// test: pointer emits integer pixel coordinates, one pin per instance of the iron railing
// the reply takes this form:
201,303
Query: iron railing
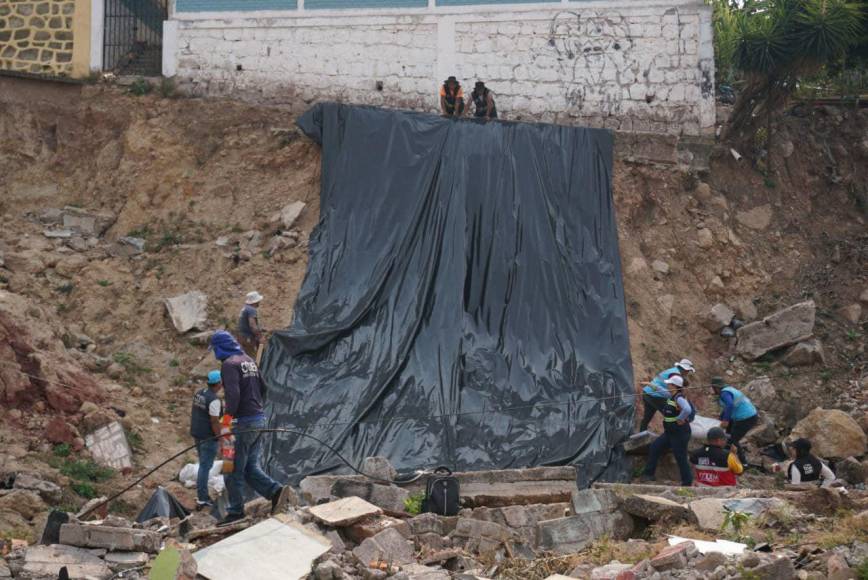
133,41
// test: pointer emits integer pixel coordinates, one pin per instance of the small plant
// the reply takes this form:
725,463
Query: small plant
104,283
143,232
85,470
62,307
413,503
66,288
853,335
862,570
168,239
93,77
62,450
85,490
174,363
135,440
132,367
140,87
167,88
236,229
825,375
685,492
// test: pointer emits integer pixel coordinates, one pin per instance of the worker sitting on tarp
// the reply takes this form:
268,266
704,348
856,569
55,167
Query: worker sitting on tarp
805,466
714,465
676,433
483,101
451,98
249,330
204,425
244,391
655,394
738,414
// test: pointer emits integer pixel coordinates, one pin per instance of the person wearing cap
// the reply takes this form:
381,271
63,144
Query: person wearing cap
738,414
676,433
483,101
204,425
244,390
249,330
655,393
451,98
713,464
807,467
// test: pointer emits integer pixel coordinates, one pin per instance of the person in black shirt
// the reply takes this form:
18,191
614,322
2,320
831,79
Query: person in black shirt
205,424
483,100
807,467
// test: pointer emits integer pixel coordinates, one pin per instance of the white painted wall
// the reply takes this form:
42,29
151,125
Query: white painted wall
619,64
97,26
170,48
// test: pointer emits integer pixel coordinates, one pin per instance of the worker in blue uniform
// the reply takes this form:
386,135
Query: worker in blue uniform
655,394
738,414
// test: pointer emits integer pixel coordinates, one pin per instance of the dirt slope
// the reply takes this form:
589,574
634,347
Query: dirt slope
187,173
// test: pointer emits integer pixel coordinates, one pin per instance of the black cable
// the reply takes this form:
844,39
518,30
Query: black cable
260,431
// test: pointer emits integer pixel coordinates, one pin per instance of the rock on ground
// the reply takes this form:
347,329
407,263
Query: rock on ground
807,353
783,328
762,392
833,434
654,508
718,316
387,546
188,311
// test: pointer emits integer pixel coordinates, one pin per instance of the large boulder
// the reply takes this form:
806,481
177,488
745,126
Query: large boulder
781,329
654,508
833,434
719,316
805,354
762,392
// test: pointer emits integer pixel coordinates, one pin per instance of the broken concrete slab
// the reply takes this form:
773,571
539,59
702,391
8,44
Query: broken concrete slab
87,222
639,443
709,512
672,557
288,214
783,328
575,533
370,527
344,512
57,234
119,561
387,546
594,500
388,497
518,493
276,548
471,528
109,446
127,247
46,562
654,508
50,492
110,538
188,311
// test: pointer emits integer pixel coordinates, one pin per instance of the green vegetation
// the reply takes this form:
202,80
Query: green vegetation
862,570
768,48
413,503
141,87
135,441
169,238
167,88
66,288
85,470
174,363
85,490
62,450
104,283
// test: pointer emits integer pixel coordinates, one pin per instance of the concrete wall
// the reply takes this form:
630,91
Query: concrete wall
626,65
45,36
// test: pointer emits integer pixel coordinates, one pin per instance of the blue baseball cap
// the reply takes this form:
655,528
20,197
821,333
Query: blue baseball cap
213,377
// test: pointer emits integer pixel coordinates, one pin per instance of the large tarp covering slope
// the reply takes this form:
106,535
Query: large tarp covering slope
463,304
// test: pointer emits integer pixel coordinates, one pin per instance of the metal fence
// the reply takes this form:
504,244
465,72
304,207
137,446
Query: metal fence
133,42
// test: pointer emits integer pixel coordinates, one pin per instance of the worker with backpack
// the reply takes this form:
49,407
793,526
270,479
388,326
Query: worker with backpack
677,415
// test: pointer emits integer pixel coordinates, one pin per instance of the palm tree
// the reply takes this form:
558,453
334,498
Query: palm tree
774,43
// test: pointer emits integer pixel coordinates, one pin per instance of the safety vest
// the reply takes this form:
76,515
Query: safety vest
200,420
742,408
711,464
809,467
670,414
657,388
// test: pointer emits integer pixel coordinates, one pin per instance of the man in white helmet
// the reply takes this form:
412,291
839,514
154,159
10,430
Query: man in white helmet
655,393
249,330
677,416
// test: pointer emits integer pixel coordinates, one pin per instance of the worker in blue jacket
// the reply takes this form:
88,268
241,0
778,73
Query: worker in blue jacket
738,414
655,394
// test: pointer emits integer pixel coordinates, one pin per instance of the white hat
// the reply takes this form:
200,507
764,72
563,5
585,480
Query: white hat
253,297
675,380
686,365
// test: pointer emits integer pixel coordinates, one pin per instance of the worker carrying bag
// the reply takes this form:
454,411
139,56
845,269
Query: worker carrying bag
442,493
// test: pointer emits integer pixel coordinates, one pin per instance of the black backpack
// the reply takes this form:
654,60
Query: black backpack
441,493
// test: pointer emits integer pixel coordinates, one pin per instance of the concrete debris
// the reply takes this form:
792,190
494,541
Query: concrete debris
57,234
705,547
344,512
86,222
188,311
120,561
110,538
276,548
653,508
639,443
387,546
804,354
388,497
660,267
109,446
783,328
833,433
709,512
127,247
673,558
379,468
47,561
575,533
50,492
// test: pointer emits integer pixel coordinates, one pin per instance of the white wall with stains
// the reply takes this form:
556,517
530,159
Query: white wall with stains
626,65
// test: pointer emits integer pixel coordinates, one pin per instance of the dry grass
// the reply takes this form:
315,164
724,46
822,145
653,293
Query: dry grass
538,569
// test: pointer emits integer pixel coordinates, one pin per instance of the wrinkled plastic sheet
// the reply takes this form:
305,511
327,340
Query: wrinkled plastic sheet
463,304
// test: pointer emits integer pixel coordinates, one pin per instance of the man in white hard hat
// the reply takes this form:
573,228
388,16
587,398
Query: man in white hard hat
249,330
655,393
677,416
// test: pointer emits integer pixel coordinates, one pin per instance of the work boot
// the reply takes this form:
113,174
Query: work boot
231,519
201,505
280,499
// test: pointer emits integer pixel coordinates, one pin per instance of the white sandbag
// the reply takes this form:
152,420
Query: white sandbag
190,472
700,426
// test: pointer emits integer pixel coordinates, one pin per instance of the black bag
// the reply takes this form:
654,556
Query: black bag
441,493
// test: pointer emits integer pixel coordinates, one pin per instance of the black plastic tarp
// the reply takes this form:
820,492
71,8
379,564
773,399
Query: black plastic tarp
463,305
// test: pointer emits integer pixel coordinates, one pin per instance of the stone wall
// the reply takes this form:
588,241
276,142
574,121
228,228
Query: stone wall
622,65
36,36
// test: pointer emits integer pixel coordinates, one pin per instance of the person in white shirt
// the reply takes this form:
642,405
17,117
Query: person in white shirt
807,467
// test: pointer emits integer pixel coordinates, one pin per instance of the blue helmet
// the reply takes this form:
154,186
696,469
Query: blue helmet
213,377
